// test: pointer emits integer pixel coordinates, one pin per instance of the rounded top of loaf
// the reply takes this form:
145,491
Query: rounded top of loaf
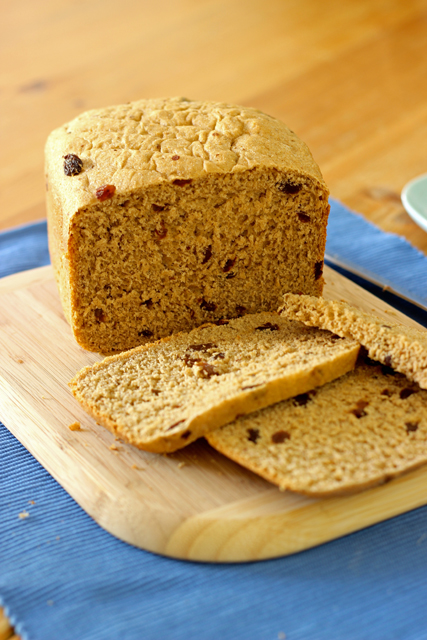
149,142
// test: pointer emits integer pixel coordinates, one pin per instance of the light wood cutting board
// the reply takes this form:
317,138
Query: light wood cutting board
193,504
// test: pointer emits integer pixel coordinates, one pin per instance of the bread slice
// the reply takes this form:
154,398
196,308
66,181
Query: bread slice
162,396
165,214
353,433
402,348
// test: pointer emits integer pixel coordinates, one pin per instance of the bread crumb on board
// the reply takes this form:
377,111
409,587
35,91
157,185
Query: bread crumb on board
114,447
75,426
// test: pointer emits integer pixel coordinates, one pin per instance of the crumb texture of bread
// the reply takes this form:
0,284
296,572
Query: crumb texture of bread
351,434
402,348
162,396
164,214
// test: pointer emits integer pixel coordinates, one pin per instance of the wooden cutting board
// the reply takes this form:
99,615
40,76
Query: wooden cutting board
193,504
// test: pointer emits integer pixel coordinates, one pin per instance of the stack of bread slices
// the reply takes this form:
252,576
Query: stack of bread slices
320,398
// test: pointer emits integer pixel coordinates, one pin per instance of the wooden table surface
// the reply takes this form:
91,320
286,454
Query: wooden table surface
350,77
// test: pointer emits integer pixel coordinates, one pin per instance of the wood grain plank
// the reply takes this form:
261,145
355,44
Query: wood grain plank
6,630
194,503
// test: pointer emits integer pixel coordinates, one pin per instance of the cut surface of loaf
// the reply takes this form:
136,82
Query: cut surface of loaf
402,348
353,433
164,214
163,396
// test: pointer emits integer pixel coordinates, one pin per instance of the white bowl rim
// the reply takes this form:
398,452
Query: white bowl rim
419,218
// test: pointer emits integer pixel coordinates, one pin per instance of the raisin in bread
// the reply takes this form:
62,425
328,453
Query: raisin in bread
165,214
164,395
402,348
353,433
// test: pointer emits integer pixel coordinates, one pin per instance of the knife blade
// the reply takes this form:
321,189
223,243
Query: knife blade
374,278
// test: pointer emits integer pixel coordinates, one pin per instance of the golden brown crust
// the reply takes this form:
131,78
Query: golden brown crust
123,145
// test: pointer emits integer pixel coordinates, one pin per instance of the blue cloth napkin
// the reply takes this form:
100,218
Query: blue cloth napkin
62,577
23,248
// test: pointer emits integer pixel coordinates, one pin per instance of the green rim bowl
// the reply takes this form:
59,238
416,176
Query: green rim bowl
414,199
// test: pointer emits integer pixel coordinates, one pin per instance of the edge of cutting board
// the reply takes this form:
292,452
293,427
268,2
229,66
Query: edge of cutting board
193,504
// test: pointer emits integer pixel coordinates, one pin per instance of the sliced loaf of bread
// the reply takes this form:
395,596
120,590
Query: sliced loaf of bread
162,396
353,433
167,213
402,348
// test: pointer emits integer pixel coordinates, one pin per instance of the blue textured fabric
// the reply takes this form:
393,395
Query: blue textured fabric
352,237
23,248
62,577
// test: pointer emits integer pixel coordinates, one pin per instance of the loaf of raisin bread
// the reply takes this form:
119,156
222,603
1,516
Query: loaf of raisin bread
402,348
353,433
164,395
165,214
